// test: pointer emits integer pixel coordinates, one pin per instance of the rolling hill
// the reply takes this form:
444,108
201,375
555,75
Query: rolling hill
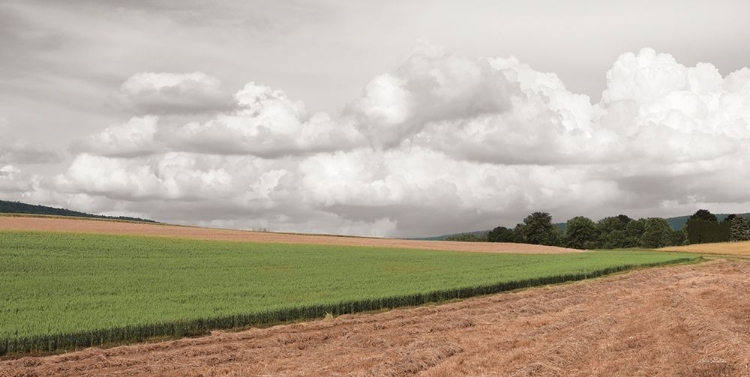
31,209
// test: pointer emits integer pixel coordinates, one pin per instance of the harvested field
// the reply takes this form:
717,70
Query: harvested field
688,320
726,248
126,228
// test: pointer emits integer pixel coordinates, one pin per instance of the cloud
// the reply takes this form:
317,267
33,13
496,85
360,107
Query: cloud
476,109
131,139
438,144
16,149
210,190
170,176
14,181
264,122
168,93
365,185
22,151
428,86
668,112
268,124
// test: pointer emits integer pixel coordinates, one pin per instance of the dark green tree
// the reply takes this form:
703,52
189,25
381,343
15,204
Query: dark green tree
657,233
556,237
612,232
677,238
501,234
624,219
705,215
580,232
739,231
703,231
617,239
612,223
518,234
538,229
467,237
633,233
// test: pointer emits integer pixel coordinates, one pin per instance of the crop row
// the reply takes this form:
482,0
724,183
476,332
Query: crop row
136,333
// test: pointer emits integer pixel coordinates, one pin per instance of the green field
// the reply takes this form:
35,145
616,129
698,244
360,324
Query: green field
69,290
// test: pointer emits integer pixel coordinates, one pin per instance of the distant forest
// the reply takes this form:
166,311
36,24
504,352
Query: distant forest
31,209
618,232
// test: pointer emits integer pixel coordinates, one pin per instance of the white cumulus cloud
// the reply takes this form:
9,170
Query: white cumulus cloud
266,123
437,144
133,138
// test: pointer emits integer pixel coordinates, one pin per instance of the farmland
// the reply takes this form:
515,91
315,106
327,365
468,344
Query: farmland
686,320
73,225
69,289
723,248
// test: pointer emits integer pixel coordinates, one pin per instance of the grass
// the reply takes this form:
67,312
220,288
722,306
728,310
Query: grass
63,286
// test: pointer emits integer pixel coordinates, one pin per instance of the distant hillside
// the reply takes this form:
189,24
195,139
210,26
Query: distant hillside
677,223
31,209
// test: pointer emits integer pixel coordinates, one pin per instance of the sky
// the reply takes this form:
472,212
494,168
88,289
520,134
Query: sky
390,118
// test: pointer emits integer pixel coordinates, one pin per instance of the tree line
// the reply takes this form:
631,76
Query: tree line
617,232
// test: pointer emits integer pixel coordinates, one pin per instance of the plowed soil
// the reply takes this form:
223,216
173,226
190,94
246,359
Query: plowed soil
689,320
117,227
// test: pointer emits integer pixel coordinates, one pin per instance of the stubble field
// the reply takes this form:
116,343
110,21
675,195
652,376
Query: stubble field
741,249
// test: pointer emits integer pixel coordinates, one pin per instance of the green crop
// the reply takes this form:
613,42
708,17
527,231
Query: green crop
61,290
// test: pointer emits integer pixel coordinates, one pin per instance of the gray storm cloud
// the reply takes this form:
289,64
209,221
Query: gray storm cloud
463,143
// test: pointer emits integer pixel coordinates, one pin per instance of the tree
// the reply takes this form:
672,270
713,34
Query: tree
703,231
614,240
633,233
677,238
739,231
538,229
705,215
518,234
624,219
657,233
580,232
501,234
612,233
612,223
703,227
467,237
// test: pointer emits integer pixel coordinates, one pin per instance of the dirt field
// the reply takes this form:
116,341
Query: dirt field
114,227
729,248
689,320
